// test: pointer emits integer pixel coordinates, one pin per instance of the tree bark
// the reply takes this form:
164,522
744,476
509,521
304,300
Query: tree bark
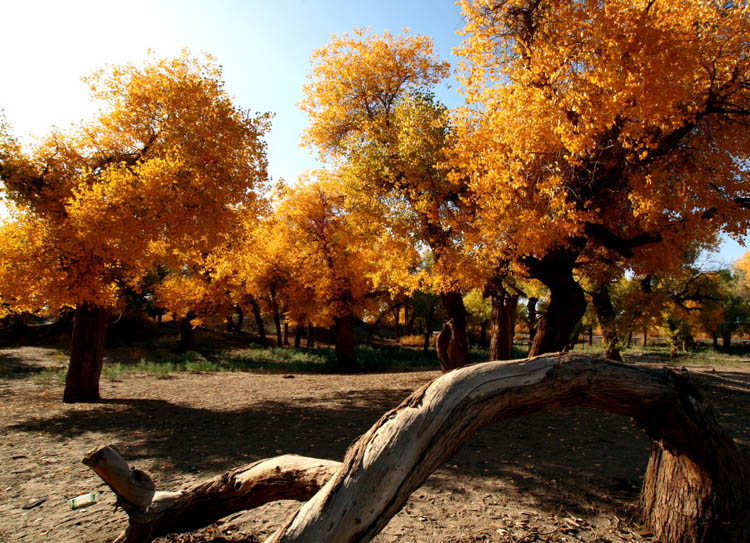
345,343
645,337
86,354
298,336
428,328
605,314
286,333
726,339
453,343
310,336
533,319
404,447
276,318
155,513
502,322
397,322
240,319
258,320
187,333
409,318
567,303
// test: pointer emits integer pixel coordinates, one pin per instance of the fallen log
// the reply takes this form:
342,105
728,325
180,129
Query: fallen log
702,495
696,490
155,513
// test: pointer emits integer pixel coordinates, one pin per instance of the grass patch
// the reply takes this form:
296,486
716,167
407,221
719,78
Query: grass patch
49,376
162,364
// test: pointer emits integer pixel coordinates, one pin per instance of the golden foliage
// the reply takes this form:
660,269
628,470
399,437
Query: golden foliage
628,115
156,178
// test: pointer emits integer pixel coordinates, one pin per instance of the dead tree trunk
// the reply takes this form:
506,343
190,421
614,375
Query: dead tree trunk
696,490
703,499
86,354
153,513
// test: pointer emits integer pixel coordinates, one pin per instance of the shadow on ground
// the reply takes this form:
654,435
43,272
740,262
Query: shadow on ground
565,459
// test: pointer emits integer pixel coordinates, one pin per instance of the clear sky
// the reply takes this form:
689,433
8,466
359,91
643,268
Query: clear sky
264,47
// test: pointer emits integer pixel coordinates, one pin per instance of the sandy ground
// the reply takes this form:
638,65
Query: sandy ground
564,476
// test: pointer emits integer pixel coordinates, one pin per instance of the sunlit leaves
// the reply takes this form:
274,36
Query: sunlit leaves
156,178
628,115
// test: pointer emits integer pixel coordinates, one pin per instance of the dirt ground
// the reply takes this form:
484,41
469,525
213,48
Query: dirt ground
564,476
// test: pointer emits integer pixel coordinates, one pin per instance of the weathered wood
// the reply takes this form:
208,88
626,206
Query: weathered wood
697,487
154,513
134,487
401,450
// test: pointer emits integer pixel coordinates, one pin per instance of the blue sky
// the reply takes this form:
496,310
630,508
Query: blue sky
263,46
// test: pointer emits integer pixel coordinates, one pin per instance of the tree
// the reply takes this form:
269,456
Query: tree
374,119
154,179
600,130
337,262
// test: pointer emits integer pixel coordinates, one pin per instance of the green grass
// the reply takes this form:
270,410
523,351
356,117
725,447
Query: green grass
162,363
49,376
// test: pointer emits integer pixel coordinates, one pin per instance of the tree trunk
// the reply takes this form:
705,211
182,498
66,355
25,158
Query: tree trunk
715,339
452,343
286,333
187,333
567,303
726,339
397,320
645,337
86,354
605,314
696,489
276,318
240,319
155,513
533,319
345,343
704,500
503,321
258,320
630,339
591,334
428,328
374,326
409,318
298,336
310,336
